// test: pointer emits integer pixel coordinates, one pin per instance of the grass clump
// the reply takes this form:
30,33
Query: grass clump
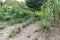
45,26
3,24
41,15
29,21
14,32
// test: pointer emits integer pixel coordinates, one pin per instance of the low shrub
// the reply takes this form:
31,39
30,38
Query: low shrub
3,24
45,25
41,15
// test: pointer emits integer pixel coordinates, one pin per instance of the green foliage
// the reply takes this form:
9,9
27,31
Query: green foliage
17,30
14,32
41,15
45,25
14,12
2,25
1,16
34,4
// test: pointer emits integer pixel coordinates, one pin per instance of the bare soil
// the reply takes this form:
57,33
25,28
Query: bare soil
29,33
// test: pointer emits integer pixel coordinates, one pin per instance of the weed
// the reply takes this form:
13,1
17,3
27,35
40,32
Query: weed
14,32
45,25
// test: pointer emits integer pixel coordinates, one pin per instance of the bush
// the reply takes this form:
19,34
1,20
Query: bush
45,25
1,16
3,24
41,15
13,15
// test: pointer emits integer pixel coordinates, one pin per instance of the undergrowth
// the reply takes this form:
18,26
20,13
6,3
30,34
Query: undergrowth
17,30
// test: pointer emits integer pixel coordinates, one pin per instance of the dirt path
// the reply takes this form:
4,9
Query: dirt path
30,30
4,32
54,34
29,33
